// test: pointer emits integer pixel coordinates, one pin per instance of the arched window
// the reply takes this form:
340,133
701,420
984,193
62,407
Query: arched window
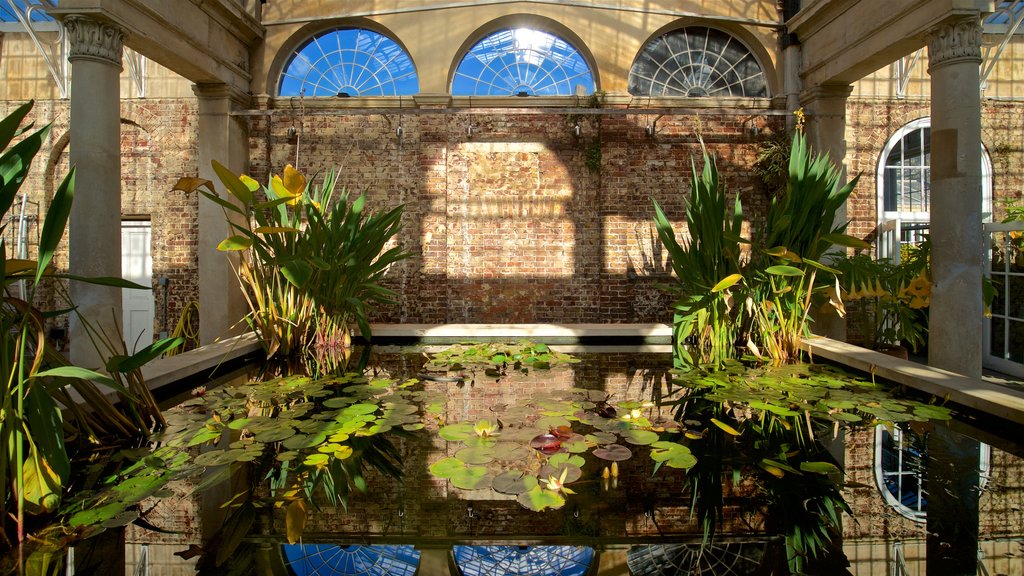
901,473
349,62
904,181
696,61
354,560
522,62
523,560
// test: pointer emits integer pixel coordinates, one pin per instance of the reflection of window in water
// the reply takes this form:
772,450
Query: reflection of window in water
523,560
901,460
713,558
354,560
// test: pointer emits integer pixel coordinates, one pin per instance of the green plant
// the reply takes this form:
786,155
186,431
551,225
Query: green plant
48,407
707,266
309,264
763,301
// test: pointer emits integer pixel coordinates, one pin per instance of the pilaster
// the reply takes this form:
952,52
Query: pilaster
224,138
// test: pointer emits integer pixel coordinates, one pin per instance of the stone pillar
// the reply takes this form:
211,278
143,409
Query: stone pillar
95,224
956,316
825,108
223,138
435,560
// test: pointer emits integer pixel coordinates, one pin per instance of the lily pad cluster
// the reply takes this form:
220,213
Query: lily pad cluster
798,394
494,359
534,452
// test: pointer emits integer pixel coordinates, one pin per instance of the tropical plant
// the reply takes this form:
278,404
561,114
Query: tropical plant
764,300
893,297
309,264
706,323
48,406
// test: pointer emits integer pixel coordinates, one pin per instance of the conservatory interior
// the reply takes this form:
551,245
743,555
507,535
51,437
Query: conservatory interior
512,287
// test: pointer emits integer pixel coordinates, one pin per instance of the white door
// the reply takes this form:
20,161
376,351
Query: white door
137,266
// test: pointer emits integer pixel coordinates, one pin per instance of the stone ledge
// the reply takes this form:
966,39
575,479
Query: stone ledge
652,333
987,397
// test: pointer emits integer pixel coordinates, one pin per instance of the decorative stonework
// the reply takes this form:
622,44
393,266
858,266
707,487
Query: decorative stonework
954,41
90,38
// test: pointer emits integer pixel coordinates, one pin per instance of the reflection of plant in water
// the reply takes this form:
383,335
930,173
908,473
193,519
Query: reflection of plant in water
767,423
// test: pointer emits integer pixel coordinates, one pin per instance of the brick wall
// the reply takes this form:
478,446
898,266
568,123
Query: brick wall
522,221
158,142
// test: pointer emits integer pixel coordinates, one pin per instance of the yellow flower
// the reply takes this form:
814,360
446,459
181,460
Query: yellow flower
920,286
557,484
291,186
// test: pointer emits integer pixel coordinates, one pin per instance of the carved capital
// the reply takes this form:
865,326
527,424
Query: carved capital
93,39
955,41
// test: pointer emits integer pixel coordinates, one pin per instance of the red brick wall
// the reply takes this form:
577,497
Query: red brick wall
522,221
158,141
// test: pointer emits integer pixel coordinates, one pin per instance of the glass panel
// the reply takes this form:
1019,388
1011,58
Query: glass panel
712,558
998,337
998,245
522,61
696,62
1015,296
349,62
912,148
1015,350
354,560
999,301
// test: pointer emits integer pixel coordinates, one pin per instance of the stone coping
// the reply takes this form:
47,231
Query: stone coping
163,372
649,333
988,397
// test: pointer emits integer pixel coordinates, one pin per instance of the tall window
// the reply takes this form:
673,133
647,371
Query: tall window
904,181
522,62
696,61
349,62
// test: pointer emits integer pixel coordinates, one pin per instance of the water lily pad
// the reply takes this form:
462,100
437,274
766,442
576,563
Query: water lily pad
287,456
546,443
275,434
559,459
413,427
613,452
602,438
305,441
471,478
475,455
673,455
513,483
445,467
640,437
538,499
457,432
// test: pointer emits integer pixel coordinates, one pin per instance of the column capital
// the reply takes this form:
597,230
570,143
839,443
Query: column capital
955,41
825,92
94,39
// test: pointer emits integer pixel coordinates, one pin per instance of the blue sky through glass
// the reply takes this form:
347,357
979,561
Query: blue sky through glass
522,61
335,560
349,62
7,15
523,560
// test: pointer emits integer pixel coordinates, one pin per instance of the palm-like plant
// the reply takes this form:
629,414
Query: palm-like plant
310,264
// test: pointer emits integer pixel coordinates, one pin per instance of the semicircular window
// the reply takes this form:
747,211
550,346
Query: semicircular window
683,559
354,560
696,61
349,62
523,560
522,62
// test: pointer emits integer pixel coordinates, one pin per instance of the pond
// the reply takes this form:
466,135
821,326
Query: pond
516,459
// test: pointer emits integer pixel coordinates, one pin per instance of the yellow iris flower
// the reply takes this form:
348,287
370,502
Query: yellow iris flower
291,186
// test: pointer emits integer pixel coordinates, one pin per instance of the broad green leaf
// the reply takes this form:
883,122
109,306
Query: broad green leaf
846,240
820,467
147,354
728,429
538,499
83,374
55,222
234,243
783,270
46,428
297,272
727,282
233,183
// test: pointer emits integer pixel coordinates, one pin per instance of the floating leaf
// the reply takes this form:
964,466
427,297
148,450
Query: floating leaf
640,437
457,432
445,467
475,455
538,499
613,452
728,429
471,478
673,455
513,483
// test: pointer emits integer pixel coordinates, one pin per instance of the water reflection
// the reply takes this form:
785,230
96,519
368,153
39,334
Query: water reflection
756,486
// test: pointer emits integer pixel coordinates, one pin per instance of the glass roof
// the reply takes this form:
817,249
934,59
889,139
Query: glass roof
523,560
7,13
1004,12
354,560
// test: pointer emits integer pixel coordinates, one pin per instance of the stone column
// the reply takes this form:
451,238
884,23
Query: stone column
825,108
956,321
223,138
95,224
